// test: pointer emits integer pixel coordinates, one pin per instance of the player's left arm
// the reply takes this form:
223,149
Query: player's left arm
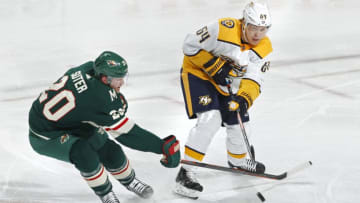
253,79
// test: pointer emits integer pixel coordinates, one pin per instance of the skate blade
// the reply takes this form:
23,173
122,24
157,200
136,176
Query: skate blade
186,192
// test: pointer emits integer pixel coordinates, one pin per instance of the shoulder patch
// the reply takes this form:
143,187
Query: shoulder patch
228,23
229,31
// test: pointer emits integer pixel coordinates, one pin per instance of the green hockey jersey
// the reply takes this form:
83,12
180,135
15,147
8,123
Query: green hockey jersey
77,104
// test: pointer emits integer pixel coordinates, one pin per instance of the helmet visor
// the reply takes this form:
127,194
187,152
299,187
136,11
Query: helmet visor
258,29
117,82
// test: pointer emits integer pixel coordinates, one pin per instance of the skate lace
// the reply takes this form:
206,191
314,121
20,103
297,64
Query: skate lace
250,165
137,186
192,176
110,198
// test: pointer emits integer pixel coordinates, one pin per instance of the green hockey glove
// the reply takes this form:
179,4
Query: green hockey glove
171,152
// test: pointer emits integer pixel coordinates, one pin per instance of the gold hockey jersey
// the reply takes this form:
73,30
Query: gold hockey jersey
223,38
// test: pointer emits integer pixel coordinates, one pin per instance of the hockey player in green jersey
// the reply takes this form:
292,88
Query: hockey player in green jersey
71,120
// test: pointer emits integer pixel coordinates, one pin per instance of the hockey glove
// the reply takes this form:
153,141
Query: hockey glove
218,69
238,103
171,152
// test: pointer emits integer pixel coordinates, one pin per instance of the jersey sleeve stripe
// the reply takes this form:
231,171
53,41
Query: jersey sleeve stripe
123,126
118,124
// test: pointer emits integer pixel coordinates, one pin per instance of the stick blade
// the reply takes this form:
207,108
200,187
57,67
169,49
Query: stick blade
260,196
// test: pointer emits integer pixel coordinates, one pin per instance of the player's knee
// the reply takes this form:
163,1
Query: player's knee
233,131
83,156
209,121
111,155
234,135
206,127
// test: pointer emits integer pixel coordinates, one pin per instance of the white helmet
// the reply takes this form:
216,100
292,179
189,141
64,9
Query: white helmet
257,14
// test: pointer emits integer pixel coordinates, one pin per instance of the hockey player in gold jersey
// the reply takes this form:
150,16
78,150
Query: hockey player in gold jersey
227,52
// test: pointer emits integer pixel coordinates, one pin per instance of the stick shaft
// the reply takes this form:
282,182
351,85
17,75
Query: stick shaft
243,131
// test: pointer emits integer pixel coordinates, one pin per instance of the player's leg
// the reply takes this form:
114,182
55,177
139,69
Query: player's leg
57,148
235,143
201,100
78,152
86,160
116,162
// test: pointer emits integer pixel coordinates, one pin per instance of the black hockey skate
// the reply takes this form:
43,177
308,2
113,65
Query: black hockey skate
109,198
187,185
250,165
140,188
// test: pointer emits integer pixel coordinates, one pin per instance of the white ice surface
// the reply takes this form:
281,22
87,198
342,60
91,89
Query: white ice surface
309,108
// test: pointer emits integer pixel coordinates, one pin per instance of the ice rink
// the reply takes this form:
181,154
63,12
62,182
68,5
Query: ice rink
309,108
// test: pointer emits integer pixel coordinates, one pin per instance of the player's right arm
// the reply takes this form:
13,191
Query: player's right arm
199,59
128,133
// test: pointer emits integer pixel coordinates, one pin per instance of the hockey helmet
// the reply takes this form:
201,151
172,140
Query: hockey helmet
257,14
110,64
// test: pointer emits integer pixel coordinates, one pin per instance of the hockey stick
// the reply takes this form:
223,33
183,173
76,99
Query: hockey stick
249,149
244,172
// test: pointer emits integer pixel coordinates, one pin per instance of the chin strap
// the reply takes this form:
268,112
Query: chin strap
108,80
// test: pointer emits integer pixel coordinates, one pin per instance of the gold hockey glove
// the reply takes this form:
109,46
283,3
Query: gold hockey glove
218,69
238,102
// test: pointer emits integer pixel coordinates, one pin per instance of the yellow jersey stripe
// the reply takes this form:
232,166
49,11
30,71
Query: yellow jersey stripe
237,156
194,154
185,80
